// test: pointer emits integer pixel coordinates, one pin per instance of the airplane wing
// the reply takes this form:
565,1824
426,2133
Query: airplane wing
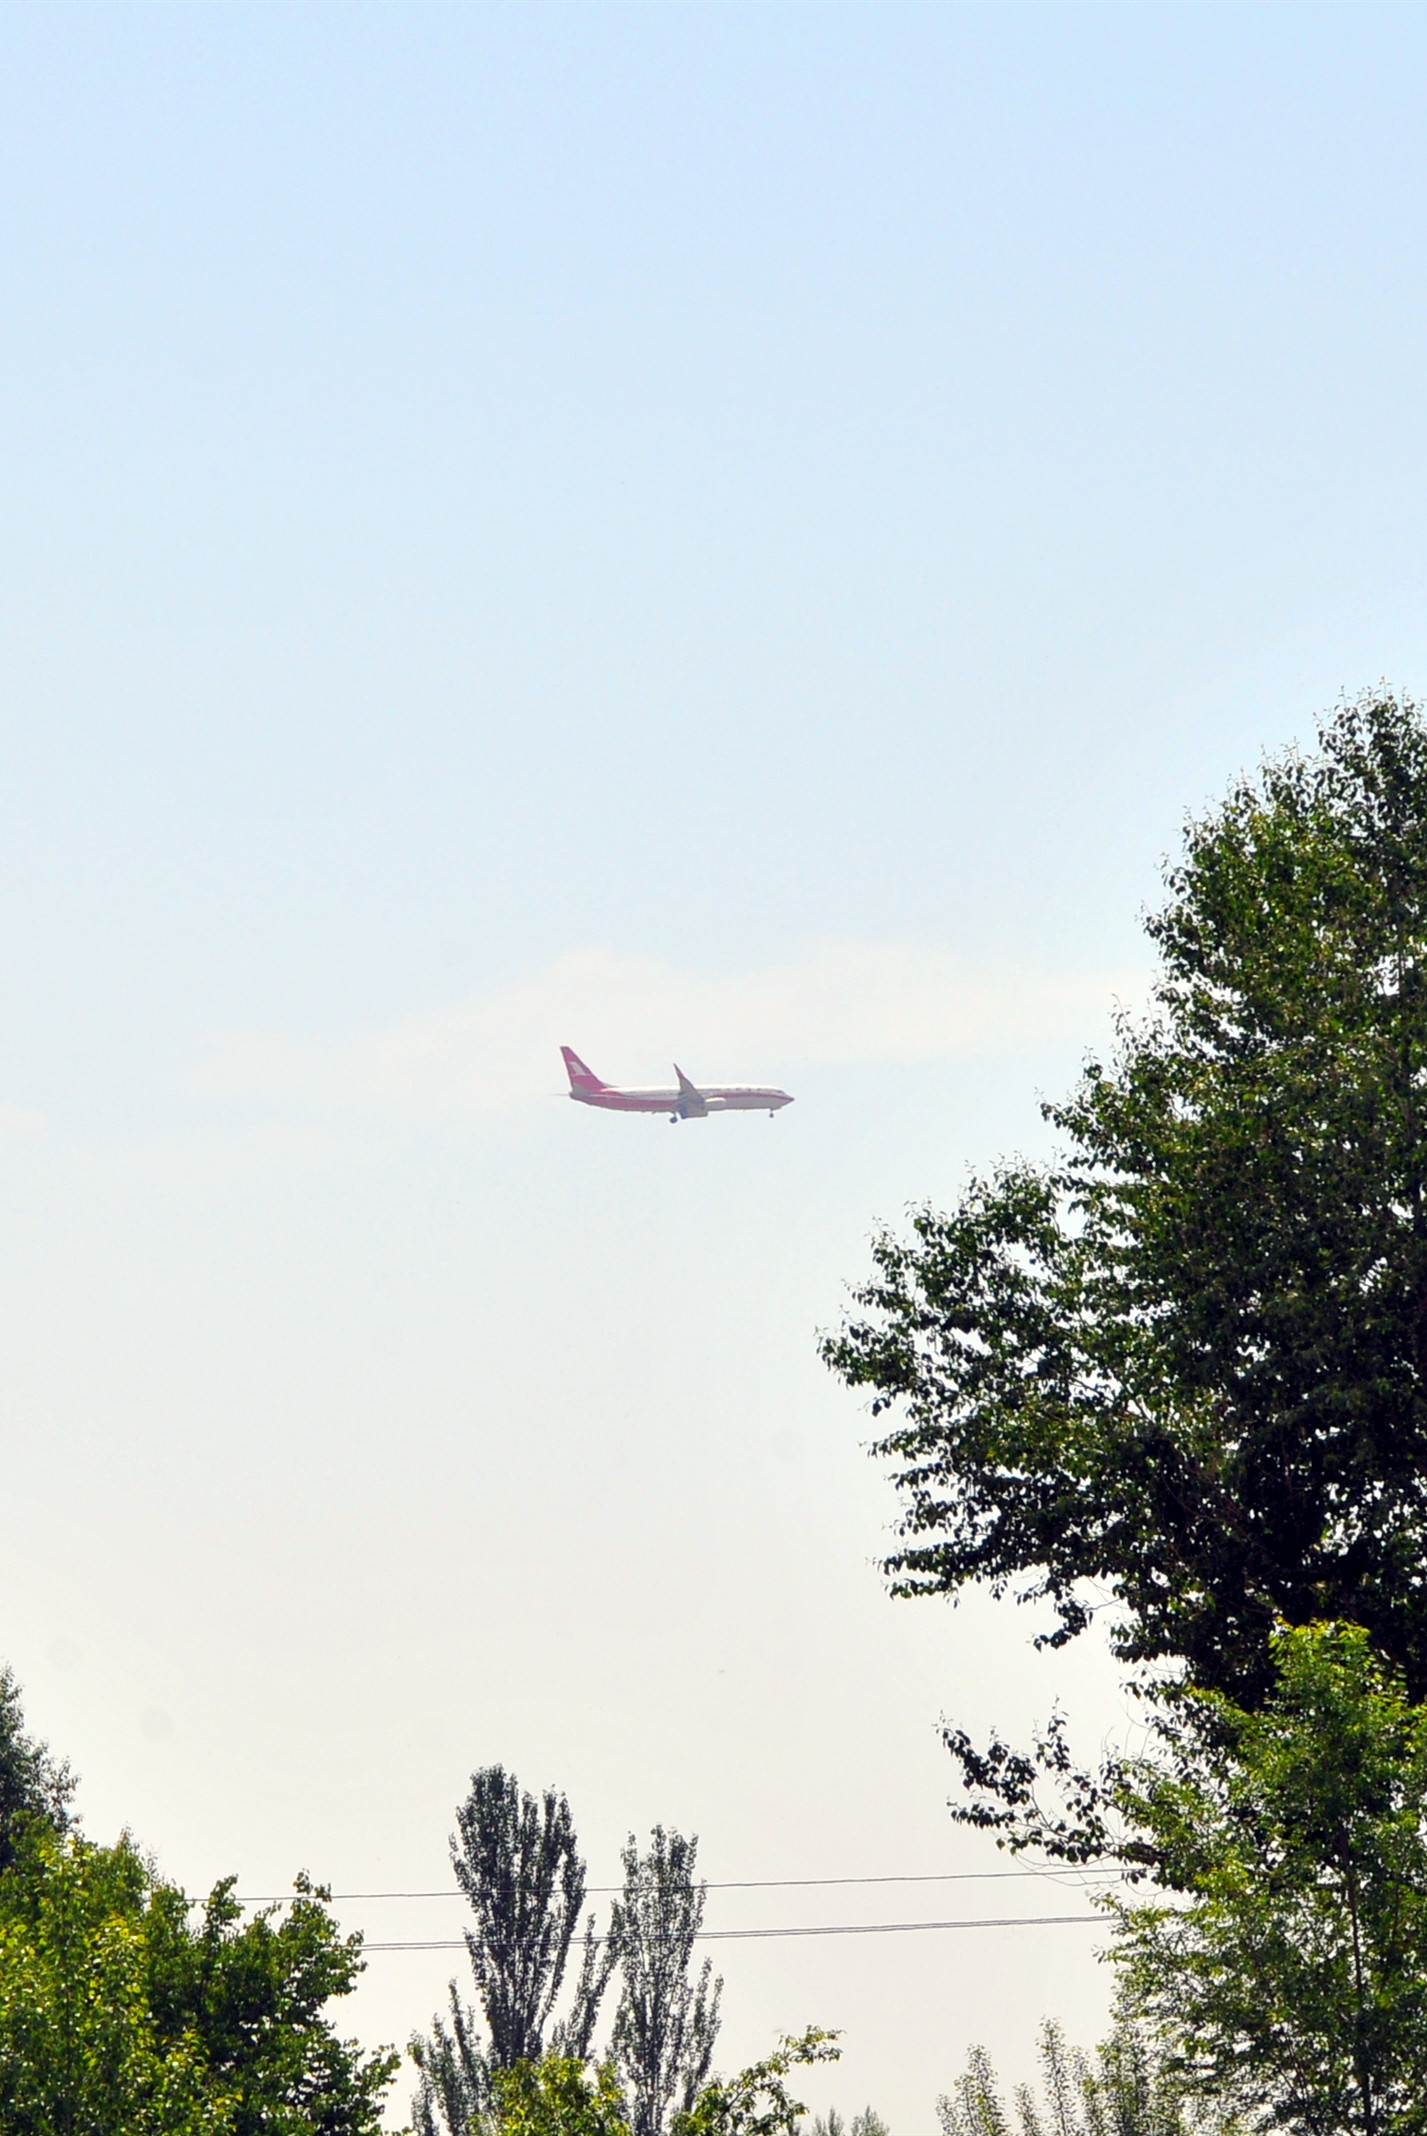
691,1099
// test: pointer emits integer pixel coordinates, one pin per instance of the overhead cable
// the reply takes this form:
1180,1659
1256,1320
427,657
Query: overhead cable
777,1883
845,1928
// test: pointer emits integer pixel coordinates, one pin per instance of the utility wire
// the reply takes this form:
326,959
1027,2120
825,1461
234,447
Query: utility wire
777,1883
847,1928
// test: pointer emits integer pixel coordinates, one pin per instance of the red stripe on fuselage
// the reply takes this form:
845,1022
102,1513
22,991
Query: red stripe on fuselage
739,1097
629,1100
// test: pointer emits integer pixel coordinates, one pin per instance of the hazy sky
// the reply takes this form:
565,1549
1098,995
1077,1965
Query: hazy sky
720,534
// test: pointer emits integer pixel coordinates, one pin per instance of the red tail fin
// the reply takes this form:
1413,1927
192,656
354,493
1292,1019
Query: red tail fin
581,1077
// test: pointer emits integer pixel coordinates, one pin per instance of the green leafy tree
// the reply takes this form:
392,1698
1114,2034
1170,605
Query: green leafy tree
1128,2089
79,2046
1288,1973
255,1993
975,2107
560,2095
32,1783
120,2017
757,2101
667,2020
1183,1368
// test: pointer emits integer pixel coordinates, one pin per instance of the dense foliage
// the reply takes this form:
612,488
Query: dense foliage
1180,1374
32,1783
560,2095
120,2016
1288,1972
565,2095
1185,1366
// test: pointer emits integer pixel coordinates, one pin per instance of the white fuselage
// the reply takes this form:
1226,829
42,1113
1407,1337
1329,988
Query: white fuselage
713,1097
683,1101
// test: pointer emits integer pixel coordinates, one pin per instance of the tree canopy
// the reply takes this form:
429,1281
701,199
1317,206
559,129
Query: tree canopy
558,2094
518,1864
33,1784
1183,1367
757,2101
120,2016
1289,1972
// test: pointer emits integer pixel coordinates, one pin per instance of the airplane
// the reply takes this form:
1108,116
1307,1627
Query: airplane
686,1102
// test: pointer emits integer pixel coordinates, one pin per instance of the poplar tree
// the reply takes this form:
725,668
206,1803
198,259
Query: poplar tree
1126,2089
518,1863
667,2020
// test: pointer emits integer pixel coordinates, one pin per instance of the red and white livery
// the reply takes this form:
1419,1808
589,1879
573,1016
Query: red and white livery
686,1101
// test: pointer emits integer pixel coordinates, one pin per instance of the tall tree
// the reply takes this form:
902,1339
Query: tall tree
1186,1363
518,1864
32,1783
667,2021
517,1861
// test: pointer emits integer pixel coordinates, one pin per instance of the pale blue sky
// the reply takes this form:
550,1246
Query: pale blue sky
729,534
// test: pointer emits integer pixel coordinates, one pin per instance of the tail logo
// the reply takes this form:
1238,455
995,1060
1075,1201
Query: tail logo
577,1071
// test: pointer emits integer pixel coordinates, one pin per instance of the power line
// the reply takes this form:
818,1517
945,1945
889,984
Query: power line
777,1883
846,1928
